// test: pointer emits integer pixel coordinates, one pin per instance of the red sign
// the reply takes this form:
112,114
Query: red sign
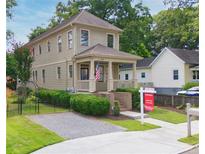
149,101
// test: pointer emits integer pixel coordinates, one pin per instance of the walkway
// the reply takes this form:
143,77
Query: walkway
70,125
156,141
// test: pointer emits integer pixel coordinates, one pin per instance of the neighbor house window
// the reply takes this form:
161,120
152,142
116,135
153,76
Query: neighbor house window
84,38
39,48
49,46
110,40
71,71
36,75
176,74
70,39
43,75
143,75
195,75
59,44
58,72
84,72
126,77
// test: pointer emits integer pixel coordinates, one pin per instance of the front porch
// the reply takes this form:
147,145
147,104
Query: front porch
109,75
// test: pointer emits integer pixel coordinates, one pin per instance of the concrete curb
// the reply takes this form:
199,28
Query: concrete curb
188,149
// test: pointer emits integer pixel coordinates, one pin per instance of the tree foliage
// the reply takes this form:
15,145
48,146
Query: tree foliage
177,28
11,65
9,5
180,3
36,32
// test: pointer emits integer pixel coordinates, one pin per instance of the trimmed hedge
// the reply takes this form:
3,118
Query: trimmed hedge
190,85
54,97
90,104
135,96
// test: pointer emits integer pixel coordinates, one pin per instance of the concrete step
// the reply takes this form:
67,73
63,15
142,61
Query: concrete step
133,115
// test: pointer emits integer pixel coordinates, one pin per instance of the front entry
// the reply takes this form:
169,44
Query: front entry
101,84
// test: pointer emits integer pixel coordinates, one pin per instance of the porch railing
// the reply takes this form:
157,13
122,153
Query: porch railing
83,85
122,83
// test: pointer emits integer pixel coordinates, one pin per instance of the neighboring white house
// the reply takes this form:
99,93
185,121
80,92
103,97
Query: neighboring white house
169,71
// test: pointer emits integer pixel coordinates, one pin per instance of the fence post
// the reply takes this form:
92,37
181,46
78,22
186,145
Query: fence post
173,101
188,120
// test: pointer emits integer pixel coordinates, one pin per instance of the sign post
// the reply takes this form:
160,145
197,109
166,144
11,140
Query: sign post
147,96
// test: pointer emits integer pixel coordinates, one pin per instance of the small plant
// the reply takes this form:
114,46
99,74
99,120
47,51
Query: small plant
31,99
190,85
116,109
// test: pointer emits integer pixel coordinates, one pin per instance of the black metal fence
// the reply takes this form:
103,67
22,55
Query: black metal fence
175,100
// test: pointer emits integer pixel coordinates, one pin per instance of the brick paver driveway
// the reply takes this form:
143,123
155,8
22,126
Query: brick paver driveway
71,125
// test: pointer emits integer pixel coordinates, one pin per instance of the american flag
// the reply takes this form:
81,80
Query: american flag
97,75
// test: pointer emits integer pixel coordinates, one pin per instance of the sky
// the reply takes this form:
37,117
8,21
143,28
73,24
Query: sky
29,14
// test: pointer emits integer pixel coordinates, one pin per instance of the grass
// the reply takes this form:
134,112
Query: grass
192,140
132,125
23,136
167,115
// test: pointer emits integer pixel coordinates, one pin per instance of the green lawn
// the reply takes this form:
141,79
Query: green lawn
167,115
132,125
24,136
192,140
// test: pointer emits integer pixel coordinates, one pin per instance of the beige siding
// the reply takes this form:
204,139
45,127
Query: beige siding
162,71
188,73
148,75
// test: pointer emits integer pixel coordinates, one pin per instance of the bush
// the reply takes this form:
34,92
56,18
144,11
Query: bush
90,104
21,90
116,109
55,97
135,96
190,85
31,99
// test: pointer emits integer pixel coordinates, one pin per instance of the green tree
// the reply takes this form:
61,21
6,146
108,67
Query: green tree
36,32
177,28
180,3
9,6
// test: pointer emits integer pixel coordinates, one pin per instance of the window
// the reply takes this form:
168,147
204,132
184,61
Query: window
36,75
84,38
33,75
143,75
110,40
70,39
84,72
175,74
71,71
39,48
59,44
195,75
49,46
43,75
33,51
126,77
58,72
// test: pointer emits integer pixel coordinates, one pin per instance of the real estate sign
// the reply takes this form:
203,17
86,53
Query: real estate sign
149,101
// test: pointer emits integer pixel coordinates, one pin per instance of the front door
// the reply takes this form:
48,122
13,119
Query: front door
101,83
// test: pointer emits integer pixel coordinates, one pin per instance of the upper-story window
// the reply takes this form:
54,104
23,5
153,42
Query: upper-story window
126,76
195,75
175,74
49,46
84,38
110,40
70,39
36,75
39,48
33,51
59,44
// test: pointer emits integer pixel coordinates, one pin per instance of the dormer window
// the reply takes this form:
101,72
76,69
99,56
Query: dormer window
110,40
84,38
59,44
70,39
39,48
49,46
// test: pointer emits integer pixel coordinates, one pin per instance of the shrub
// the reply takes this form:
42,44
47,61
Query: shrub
21,90
90,104
116,109
31,99
54,97
135,96
190,85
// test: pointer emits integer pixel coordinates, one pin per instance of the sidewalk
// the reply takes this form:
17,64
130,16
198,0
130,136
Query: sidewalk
157,141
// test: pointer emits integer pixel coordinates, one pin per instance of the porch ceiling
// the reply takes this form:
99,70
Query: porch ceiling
101,51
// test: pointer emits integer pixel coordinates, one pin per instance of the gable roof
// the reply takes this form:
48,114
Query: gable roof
188,56
83,18
104,51
145,62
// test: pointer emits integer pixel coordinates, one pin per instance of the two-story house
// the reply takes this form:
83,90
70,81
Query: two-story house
69,54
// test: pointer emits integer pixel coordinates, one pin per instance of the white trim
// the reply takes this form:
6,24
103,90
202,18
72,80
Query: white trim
113,39
88,37
71,30
53,63
61,43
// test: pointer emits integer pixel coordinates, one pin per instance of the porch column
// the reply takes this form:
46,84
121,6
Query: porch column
75,73
92,83
134,75
110,76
